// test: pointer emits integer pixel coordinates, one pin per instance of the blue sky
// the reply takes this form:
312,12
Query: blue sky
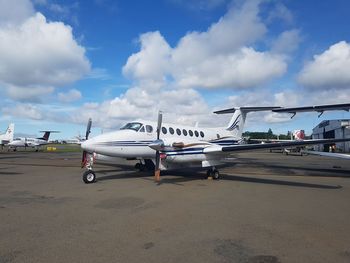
62,62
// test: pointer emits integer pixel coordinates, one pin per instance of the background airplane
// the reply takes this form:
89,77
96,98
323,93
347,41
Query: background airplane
31,142
7,137
164,146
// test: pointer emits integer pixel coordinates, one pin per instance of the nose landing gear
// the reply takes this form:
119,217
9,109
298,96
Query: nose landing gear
89,175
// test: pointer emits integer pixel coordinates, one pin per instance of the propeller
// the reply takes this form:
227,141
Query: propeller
88,130
158,141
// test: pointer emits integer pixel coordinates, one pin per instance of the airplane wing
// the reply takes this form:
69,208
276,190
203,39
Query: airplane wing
319,108
249,147
329,154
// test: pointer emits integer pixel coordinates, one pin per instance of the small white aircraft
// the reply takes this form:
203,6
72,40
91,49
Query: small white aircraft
31,142
7,137
164,146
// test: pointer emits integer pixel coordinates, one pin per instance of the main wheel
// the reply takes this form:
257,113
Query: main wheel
215,174
139,166
89,177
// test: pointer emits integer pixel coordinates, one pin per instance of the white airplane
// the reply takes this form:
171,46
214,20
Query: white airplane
167,146
7,137
30,142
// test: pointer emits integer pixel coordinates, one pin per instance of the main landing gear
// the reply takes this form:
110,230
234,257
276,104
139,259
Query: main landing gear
213,173
148,165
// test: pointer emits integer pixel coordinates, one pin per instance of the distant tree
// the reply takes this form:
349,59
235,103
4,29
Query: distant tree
269,134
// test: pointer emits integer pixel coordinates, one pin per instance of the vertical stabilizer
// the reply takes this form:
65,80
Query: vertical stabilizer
9,132
236,124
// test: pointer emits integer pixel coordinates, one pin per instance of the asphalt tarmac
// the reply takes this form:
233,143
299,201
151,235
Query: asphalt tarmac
267,207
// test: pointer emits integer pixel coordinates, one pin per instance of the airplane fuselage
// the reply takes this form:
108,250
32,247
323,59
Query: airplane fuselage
27,142
134,143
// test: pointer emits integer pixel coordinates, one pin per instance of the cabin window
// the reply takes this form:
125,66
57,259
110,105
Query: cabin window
184,132
178,131
164,130
149,128
171,130
142,129
202,134
196,133
190,132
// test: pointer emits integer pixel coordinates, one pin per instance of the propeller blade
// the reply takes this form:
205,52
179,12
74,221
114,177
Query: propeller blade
159,126
88,129
157,170
157,165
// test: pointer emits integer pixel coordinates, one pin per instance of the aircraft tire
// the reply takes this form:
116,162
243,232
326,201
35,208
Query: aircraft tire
89,177
215,174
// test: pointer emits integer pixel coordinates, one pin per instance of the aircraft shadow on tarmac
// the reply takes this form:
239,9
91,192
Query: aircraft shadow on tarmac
178,178
285,170
278,182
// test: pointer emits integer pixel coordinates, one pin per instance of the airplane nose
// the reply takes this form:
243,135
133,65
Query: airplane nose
88,146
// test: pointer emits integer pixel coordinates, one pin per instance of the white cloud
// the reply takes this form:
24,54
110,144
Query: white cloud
329,69
27,94
15,12
70,96
36,54
219,57
152,62
23,111
50,55
287,42
246,68
281,12
164,77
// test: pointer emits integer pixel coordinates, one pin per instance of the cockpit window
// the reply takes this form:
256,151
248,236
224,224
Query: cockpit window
132,126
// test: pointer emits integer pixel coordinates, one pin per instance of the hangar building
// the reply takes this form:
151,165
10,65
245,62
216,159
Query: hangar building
332,129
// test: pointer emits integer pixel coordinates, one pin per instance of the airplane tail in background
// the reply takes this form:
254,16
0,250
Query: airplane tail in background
7,137
46,135
238,119
299,135
9,132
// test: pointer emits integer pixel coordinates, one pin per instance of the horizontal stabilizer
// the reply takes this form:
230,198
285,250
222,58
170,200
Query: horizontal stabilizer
246,109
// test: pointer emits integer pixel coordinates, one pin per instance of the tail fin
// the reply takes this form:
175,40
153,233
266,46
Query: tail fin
46,135
10,131
237,121
299,135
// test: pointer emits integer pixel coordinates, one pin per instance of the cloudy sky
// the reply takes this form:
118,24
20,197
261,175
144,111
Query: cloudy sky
62,62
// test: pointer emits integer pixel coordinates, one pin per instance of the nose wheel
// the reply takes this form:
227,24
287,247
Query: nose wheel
89,177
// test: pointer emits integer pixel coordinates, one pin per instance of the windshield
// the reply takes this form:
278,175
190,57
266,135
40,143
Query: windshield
132,126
